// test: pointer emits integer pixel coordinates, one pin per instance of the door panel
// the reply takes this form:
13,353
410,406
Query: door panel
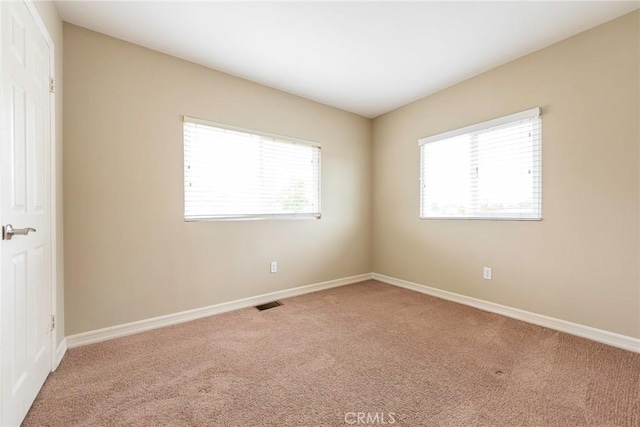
19,153
19,288
36,138
25,260
17,40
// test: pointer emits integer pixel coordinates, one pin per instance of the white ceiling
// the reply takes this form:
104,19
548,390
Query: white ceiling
364,57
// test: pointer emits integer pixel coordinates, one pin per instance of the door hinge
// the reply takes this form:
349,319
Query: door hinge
53,322
52,86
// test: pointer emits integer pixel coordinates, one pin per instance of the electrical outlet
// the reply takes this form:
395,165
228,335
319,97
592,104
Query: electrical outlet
274,266
486,273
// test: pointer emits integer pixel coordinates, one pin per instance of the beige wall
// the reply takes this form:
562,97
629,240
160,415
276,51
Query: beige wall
581,263
51,19
129,254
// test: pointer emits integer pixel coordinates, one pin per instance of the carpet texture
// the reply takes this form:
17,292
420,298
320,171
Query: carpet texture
395,356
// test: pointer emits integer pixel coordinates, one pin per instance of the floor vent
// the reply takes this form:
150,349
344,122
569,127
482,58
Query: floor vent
268,305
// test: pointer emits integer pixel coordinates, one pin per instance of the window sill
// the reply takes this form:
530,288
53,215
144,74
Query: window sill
254,217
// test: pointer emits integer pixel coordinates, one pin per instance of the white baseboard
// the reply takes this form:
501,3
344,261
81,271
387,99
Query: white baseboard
599,335
594,334
112,332
60,351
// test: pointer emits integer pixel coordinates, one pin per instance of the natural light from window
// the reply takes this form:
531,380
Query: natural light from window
487,171
245,175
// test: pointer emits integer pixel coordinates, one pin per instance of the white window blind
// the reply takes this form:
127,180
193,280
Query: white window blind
490,170
231,173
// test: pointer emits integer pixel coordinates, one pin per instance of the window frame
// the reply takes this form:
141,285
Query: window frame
474,130
251,217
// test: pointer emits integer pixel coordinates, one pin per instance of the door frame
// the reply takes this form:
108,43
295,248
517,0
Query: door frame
53,171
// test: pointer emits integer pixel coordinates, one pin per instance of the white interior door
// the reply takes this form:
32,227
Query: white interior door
25,259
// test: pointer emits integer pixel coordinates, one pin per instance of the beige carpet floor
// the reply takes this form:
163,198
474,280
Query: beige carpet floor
320,359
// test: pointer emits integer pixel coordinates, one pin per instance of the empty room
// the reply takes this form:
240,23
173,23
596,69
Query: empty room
320,213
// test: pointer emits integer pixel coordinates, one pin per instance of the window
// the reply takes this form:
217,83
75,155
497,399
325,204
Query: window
230,173
491,170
